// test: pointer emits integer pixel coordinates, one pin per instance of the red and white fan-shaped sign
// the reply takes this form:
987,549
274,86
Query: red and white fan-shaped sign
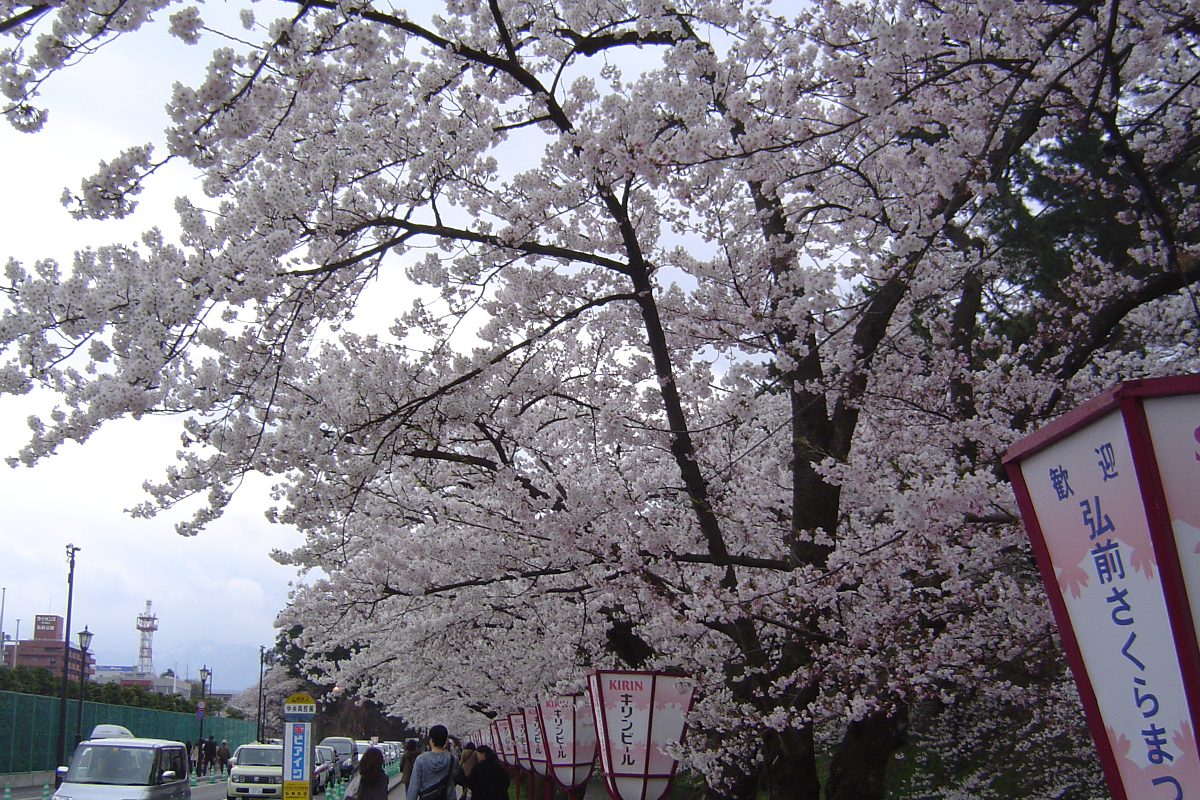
536,740
1110,496
520,742
569,733
638,716
508,751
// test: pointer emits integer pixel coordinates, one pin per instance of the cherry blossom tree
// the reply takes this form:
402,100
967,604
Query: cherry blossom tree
725,313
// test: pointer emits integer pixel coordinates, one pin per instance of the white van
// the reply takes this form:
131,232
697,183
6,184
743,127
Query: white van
124,768
256,771
111,732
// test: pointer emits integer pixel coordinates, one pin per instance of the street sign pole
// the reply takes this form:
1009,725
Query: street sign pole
298,710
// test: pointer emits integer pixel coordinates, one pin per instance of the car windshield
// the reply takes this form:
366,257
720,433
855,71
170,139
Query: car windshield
260,757
109,764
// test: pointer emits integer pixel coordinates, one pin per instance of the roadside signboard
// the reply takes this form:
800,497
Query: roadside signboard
1110,497
298,709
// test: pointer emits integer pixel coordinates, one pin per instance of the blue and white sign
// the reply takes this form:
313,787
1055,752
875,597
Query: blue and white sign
295,746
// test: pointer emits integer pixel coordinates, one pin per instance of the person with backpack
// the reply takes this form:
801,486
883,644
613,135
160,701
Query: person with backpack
465,762
433,771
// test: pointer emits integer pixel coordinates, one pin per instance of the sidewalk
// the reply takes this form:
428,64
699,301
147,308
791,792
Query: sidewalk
27,785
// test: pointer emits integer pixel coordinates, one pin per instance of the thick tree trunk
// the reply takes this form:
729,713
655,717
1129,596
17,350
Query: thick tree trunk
858,770
789,770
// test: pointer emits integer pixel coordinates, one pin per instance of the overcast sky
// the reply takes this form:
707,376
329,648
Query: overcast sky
215,595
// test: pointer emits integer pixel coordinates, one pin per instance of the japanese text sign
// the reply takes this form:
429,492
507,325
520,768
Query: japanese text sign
570,738
297,763
507,749
535,737
520,740
1110,496
639,715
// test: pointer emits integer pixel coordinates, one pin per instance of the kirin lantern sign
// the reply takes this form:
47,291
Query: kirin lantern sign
507,749
638,716
1110,496
520,741
570,733
536,740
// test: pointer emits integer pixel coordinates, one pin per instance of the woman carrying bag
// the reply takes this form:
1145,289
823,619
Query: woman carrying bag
370,782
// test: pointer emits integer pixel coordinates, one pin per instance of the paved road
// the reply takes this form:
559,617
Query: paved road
201,791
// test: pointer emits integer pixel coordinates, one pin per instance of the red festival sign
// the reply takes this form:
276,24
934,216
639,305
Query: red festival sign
535,738
639,716
569,730
1110,496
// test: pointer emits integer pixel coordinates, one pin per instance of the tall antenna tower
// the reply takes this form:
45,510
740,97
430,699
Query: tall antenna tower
147,624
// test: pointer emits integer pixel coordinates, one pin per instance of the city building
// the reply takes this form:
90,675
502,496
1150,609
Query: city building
45,649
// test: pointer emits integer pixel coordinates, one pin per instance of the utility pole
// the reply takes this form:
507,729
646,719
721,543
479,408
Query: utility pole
62,704
262,659
3,597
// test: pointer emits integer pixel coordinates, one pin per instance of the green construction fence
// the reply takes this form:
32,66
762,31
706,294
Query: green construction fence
29,728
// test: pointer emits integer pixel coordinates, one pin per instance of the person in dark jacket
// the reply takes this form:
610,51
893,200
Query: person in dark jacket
372,780
466,760
209,759
488,779
406,762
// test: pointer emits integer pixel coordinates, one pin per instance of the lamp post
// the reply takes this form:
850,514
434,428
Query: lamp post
85,641
262,660
60,752
3,597
205,673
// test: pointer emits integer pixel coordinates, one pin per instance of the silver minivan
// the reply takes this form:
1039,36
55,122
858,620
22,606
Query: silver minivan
126,769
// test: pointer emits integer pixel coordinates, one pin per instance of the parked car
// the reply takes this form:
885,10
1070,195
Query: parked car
256,771
125,769
347,753
325,767
106,731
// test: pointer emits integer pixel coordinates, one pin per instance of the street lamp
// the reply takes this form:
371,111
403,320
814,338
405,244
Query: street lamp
205,672
85,641
262,660
60,753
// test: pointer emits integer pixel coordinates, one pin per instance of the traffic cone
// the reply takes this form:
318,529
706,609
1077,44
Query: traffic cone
46,790
8,791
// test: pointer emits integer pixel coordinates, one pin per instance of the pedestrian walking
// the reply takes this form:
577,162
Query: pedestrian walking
433,771
488,779
223,756
370,782
209,746
466,761
406,763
